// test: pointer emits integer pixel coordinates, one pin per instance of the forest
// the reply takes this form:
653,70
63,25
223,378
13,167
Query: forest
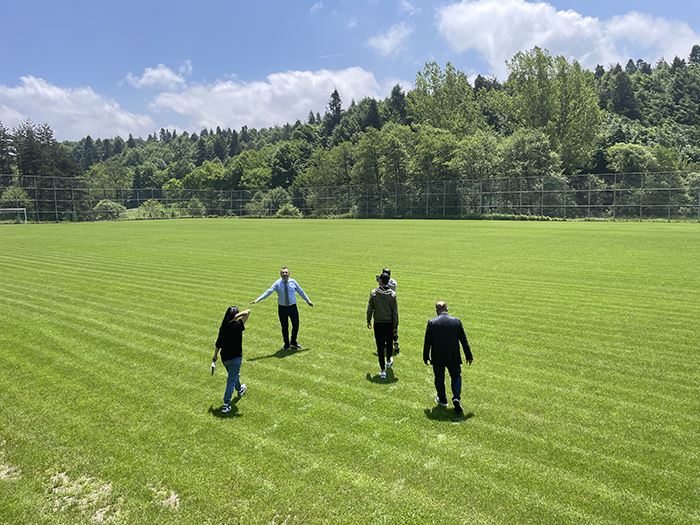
551,118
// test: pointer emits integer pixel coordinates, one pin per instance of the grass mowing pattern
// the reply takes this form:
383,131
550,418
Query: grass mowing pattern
583,399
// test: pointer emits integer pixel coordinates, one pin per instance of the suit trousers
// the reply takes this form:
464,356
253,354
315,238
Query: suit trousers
383,334
455,377
287,313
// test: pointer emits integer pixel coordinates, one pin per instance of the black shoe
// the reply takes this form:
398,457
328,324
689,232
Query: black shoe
458,406
296,346
286,347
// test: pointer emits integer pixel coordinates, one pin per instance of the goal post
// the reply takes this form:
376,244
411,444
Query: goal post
13,215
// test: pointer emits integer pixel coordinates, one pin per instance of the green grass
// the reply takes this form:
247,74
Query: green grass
583,399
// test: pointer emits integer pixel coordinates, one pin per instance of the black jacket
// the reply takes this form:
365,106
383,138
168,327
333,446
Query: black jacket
443,335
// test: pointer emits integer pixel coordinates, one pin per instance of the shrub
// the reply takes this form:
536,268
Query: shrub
196,208
153,209
15,197
289,210
265,204
106,210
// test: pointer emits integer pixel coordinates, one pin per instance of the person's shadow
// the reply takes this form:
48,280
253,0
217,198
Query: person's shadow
390,378
216,412
281,353
439,413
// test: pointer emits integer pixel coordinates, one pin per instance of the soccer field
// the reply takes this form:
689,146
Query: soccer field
582,405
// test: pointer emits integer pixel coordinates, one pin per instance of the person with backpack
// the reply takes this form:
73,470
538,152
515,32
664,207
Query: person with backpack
382,306
230,344
392,286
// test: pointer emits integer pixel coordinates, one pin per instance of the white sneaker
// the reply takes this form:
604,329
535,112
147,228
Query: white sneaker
226,408
437,400
390,362
242,390
382,374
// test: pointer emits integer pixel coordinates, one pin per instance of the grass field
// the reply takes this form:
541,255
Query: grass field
583,402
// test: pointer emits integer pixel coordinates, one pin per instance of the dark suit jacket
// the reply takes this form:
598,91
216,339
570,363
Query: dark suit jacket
443,335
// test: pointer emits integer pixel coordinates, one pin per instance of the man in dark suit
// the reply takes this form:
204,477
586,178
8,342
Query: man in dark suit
443,336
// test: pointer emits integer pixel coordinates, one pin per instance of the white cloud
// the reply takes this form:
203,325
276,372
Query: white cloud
497,29
316,7
408,8
186,68
281,97
71,112
390,42
160,77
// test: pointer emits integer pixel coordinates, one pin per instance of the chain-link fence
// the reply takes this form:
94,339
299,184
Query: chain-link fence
671,195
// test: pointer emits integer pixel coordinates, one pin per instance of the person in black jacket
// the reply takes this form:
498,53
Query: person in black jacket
230,343
443,336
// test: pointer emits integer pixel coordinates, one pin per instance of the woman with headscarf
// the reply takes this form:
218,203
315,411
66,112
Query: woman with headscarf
230,344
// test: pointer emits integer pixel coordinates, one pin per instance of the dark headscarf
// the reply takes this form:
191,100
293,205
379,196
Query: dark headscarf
231,312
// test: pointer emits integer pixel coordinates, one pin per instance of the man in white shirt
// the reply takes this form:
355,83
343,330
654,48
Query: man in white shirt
287,289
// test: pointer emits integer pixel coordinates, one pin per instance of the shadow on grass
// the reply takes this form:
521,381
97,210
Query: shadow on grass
390,378
216,412
439,413
281,354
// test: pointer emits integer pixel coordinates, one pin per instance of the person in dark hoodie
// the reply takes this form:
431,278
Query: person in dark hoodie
383,307
230,344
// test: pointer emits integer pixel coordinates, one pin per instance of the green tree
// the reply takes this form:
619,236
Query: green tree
397,106
445,100
333,114
560,99
208,176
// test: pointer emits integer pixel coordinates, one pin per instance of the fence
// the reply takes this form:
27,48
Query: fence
673,195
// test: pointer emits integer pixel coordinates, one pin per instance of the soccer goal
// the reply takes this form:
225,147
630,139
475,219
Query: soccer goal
13,215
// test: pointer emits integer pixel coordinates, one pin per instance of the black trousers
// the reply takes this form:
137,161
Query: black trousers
285,314
455,377
383,334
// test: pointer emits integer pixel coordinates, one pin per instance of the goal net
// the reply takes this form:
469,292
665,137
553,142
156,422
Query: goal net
13,215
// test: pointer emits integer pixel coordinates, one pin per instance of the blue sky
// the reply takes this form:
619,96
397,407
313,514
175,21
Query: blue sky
125,67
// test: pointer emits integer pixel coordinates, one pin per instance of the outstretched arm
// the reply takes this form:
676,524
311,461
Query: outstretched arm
303,295
266,293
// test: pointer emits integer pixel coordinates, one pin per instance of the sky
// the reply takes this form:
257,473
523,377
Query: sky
113,68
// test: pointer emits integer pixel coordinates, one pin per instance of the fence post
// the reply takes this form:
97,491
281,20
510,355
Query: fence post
55,204
669,197
589,196
427,197
481,197
520,198
641,198
444,197
614,204
72,201
541,195
36,199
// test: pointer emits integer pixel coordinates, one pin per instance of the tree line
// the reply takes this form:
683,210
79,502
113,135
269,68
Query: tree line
550,118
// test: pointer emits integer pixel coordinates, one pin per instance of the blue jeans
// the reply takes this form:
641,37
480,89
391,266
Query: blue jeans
233,366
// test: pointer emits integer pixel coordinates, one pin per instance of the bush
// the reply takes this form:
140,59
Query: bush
15,197
153,209
289,210
266,204
106,210
196,208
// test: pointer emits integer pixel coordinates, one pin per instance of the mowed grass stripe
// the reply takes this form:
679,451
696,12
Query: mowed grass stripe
167,343
517,362
594,350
